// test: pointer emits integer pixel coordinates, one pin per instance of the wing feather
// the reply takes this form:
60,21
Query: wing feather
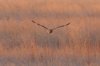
39,24
61,26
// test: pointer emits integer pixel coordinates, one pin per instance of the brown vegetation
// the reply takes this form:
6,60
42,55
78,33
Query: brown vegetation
22,43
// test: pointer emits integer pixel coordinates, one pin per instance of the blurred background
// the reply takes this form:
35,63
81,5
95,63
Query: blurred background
23,43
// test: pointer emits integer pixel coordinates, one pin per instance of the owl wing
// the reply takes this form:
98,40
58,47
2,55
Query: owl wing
39,24
60,26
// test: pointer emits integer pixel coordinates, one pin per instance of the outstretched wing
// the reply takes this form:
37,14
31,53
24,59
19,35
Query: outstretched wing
39,24
61,26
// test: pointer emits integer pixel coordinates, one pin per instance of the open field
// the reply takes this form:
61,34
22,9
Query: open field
23,43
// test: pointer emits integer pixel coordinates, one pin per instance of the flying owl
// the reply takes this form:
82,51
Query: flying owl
50,30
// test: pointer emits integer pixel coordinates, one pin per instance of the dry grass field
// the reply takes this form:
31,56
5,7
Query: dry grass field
23,43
